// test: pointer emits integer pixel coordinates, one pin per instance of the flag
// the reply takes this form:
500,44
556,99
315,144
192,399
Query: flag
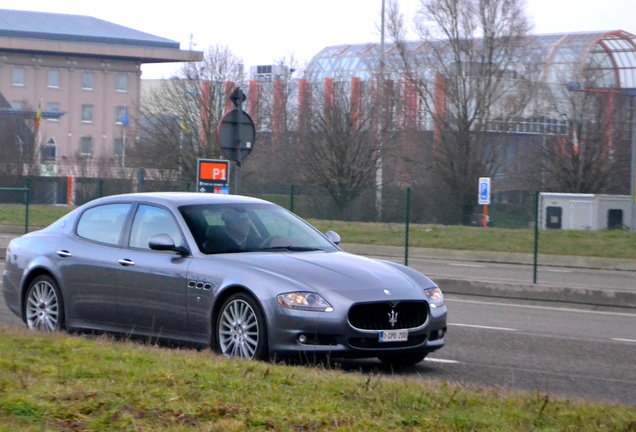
184,127
126,121
38,116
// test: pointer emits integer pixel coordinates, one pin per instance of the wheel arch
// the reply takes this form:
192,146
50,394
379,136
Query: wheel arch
220,300
26,282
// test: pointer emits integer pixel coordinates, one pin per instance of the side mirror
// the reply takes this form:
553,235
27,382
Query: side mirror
163,242
333,237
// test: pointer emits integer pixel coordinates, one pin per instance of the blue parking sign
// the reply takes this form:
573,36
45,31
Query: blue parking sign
484,191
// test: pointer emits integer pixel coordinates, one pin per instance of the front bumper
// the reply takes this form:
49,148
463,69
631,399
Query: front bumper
330,334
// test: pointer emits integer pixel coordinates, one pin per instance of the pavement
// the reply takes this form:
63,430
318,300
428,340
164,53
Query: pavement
602,296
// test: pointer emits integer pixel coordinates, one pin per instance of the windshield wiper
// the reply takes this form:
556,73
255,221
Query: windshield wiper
290,249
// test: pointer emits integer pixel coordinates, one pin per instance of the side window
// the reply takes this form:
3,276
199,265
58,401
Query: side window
18,77
86,146
149,221
122,83
53,78
88,81
103,223
87,113
53,106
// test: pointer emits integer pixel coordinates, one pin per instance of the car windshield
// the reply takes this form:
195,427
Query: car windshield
251,227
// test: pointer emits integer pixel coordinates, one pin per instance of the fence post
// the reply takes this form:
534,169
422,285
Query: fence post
291,199
407,223
27,185
536,237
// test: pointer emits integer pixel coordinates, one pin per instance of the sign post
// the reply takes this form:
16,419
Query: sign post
484,197
213,175
236,133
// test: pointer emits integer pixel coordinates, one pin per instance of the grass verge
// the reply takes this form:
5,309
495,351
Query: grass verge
68,383
606,244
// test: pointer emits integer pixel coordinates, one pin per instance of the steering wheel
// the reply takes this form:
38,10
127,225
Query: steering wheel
268,241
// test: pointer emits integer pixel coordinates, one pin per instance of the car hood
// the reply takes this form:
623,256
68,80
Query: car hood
339,272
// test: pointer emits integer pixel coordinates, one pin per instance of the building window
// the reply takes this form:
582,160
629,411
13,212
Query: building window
119,147
48,152
120,114
88,81
86,146
87,113
122,83
19,77
53,107
17,105
53,78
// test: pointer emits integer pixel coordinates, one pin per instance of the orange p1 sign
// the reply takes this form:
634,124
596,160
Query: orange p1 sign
212,173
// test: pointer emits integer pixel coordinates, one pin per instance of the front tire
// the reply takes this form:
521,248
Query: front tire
43,308
240,329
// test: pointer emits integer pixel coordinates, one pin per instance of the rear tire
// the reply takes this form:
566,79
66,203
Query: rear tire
403,360
43,306
240,329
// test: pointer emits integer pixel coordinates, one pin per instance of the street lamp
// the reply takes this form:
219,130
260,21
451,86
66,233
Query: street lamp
632,106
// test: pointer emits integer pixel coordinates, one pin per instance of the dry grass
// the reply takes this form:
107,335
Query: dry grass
58,382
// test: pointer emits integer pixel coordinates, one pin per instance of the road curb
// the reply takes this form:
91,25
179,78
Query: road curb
539,292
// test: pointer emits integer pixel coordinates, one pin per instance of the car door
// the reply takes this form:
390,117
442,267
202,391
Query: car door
153,283
89,265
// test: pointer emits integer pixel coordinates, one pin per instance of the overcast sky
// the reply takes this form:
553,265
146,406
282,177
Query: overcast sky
264,31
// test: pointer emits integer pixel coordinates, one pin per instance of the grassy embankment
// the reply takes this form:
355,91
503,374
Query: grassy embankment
65,383
609,244
58,382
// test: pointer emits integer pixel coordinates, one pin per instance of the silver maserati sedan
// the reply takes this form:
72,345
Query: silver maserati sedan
240,275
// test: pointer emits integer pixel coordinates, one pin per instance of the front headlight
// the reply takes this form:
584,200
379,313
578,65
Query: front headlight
306,301
435,297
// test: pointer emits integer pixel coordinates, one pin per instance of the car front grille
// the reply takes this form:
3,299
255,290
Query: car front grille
388,316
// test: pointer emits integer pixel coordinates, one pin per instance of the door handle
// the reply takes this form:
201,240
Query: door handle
126,262
64,254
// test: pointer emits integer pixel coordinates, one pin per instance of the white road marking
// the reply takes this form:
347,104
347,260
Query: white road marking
483,327
465,265
436,360
623,340
553,308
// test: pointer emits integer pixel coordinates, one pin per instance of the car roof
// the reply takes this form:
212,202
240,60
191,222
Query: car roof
179,198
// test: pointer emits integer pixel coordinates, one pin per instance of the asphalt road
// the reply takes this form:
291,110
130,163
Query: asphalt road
555,350
558,350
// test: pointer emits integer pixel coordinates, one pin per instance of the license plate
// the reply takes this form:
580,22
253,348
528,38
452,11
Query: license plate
394,335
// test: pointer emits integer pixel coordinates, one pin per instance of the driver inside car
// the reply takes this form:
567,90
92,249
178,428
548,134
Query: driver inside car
239,231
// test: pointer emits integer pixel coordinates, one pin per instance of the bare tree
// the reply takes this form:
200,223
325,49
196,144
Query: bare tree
12,146
18,142
180,117
337,148
469,72
591,154
272,105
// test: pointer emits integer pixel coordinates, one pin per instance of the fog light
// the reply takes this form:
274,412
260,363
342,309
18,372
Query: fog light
302,339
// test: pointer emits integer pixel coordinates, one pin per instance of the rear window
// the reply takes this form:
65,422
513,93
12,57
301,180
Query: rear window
103,224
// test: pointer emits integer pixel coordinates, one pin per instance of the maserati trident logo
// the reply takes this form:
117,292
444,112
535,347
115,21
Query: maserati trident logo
393,318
